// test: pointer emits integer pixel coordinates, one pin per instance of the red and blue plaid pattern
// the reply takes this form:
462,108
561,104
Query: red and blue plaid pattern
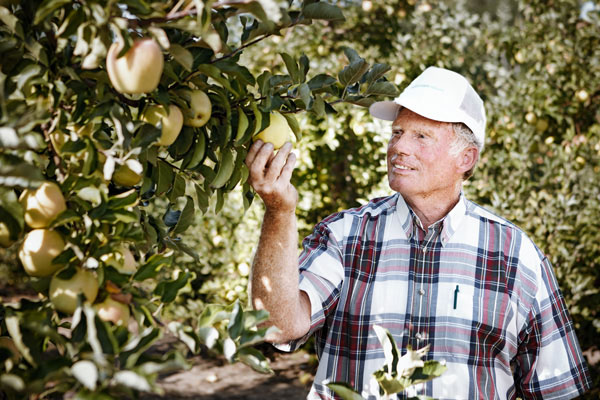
473,286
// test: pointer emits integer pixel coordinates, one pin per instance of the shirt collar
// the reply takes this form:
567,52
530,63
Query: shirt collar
450,223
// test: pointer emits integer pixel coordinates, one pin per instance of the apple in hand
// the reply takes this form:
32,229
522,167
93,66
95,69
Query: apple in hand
39,248
278,132
138,70
200,108
171,123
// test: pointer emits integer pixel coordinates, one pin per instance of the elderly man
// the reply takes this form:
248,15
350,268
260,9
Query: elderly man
425,263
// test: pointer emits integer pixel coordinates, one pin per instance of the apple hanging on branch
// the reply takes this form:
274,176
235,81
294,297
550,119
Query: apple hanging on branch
138,70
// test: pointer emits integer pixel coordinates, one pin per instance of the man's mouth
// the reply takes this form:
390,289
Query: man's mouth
403,167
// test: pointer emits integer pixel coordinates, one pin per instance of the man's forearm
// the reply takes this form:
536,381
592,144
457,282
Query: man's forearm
275,276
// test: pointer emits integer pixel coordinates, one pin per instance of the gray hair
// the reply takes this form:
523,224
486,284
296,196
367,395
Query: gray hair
463,138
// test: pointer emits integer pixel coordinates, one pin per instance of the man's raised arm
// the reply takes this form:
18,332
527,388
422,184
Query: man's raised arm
274,280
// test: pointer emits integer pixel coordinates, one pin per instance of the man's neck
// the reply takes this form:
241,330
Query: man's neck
431,209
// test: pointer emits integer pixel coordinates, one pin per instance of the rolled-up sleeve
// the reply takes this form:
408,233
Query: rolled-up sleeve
550,364
321,276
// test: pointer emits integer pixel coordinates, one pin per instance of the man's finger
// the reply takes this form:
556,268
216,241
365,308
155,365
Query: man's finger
252,152
288,168
276,164
259,163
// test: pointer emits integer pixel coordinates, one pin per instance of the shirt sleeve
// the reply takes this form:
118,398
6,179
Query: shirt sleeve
321,276
549,363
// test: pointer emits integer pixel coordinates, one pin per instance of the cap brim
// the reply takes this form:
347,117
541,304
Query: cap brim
386,110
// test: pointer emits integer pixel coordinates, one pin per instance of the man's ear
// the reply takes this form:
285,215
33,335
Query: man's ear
467,159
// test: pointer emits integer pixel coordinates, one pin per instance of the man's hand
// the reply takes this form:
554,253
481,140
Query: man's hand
270,175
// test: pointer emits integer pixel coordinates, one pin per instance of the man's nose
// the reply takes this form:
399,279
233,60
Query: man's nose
400,144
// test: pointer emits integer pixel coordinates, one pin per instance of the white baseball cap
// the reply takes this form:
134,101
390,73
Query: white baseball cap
441,95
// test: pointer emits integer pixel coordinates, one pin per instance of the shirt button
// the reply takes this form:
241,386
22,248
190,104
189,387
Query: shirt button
421,292
418,336
424,250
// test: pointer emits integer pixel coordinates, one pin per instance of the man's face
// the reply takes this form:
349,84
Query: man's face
418,158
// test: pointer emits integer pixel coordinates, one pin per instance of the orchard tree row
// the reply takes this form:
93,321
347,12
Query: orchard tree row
119,121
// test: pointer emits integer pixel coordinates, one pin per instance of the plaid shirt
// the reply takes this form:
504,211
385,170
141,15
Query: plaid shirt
473,286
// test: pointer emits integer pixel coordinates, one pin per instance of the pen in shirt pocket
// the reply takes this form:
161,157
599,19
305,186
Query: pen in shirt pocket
456,291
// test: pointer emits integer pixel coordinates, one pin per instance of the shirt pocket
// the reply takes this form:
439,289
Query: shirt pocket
475,322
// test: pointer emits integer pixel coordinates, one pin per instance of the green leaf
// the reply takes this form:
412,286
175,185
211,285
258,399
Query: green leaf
123,200
235,70
178,188
168,289
182,56
351,54
215,73
254,359
353,72
48,7
293,123
186,218
292,67
202,198
322,10
236,321
146,135
165,178
320,81
212,314
345,391
11,21
382,89
304,93
319,106
360,100
376,72
251,337
137,345
186,334
28,73
20,175
151,267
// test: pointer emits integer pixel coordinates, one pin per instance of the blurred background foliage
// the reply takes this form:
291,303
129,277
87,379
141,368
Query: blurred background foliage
537,66
536,63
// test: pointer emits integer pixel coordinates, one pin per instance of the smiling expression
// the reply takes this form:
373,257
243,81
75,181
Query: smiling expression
419,162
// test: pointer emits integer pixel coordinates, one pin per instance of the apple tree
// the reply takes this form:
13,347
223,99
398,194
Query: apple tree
119,121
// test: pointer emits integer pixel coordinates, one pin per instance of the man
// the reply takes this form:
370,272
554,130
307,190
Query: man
425,263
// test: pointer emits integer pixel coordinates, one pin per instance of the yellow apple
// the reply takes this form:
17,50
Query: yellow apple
63,292
43,204
122,260
171,123
113,311
278,132
137,71
39,248
128,174
5,240
200,108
